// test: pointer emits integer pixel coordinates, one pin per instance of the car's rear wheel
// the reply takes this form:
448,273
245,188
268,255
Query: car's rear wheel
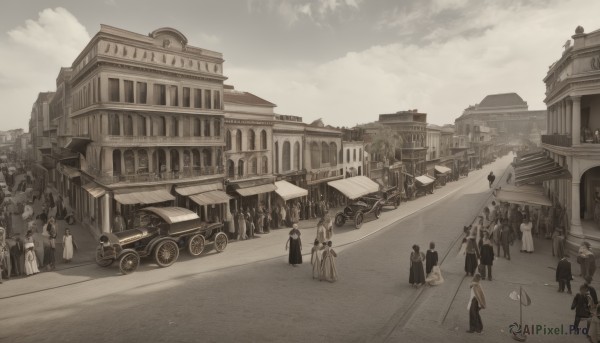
358,220
196,245
378,211
129,262
220,242
166,253
340,220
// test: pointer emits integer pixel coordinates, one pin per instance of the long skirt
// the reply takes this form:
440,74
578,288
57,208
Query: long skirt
295,256
417,273
470,263
30,263
328,269
316,267
475,323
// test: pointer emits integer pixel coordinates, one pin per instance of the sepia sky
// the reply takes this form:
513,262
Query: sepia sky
345,61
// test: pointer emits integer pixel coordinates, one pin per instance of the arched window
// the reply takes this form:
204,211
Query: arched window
196,159
238,140
197,127
315,155
276,157
128,125
142,126
174,127
359,170
162,126
217,124
265,165
324,153
230,169
160,160
354,155
218,161
142,164
333,153
360,155
174,160
207,128
347,155
287,156
228,140
114,126
129,162
116,162
251,140
241,168
263,140
206,158
187,159
253,166
296,156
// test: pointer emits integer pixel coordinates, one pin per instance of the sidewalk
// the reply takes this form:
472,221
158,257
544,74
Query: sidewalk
443,309
262,247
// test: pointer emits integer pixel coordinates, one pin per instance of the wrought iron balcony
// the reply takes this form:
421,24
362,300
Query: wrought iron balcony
143,175
558,140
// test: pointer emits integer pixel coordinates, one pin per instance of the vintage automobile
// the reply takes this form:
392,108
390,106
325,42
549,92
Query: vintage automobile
358,209
160,232
391,196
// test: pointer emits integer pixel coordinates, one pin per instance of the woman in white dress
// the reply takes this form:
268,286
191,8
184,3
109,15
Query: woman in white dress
31,264
328,268
68,246
527,239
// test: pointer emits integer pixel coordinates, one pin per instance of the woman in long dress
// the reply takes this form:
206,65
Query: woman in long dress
417,272
321,232
315,259
295,246
527,238
69,245
31,264
328,268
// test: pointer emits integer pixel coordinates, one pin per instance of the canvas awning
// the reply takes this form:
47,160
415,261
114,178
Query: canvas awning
289,191
540,168
195,189
355,187
442,169
210,198
424,180
78,144
94,189
172,215
269,187
524,195
132,196
70,172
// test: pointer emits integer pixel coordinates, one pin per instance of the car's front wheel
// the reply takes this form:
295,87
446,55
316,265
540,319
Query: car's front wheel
166,253
358,220
340,220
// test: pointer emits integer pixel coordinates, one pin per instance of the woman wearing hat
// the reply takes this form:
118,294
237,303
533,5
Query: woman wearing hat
527,238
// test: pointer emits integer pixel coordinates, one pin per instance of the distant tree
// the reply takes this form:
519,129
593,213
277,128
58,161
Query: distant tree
387,144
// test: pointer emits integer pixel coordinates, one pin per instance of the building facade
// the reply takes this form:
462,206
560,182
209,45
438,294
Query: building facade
573,102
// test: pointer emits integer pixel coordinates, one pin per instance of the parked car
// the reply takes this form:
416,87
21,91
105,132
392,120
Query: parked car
390,196
358,209
159,233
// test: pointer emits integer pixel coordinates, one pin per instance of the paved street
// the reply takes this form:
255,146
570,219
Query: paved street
250,293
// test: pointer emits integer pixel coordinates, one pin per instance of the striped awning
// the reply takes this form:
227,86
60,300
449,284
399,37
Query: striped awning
201,188
289,191
539,168
134,196
256,190
94,189
355,187
210,198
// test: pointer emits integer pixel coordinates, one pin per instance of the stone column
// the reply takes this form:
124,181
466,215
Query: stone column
106,213
563,117
576,229
569,118
576,122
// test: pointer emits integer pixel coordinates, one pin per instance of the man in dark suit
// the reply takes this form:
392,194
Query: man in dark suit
563,275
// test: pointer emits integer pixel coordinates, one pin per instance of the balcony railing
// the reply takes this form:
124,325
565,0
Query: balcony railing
558,140
144,176
161,140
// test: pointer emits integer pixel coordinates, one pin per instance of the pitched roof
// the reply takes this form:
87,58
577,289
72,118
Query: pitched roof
501,100
245,98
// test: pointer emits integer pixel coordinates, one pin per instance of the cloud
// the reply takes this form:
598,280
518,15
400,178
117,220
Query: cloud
441,76
32,55
315,11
